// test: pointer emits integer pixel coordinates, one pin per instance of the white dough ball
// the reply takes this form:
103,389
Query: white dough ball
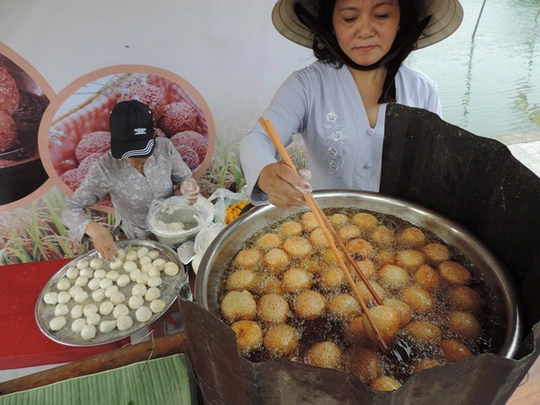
124,323
74,290
57,323
98,295
109,291
130,266
157,306
64,297
93,319
51,298
153,254
63,285
90,309
96,263
94,284
113,275
146,267
138,289
107,326
81,264
117,264
145,260
81,281
153,272
142,251
159,263
72,273
171,269
135,274
81,296
120,310
143,278
152,294
78,324
123,280
118,298
131,256
143,314
88,332
87,272
154,282
105,283
61,310
77,312
135,301
101,273
120,254
106,308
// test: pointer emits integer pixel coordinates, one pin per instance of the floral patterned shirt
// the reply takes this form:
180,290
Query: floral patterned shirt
131,192
323,104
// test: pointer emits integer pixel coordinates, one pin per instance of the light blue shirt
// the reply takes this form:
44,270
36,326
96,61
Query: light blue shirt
323,104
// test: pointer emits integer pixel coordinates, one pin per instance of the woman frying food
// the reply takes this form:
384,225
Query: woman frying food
138,169
338,103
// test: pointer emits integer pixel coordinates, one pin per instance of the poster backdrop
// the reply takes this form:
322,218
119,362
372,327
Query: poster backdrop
207,69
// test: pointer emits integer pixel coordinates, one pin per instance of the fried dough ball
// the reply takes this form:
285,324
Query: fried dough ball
425,364
423,331
365,221
329,257
364,363
332,279
366,294
10,96
248,259
411,237
309,222
326,355
269,284
339,220
273,309
361,247
242,280
269,241
281,340
393,277
465,325
344,307
238,305
298,247
387,321
384,257
385,384
309,305
436,253
367,267
296,280
410,259
455,351
318,240
313,265
355,333
349,232
418,299
454,272
383,236
404,311
249,335
427,278
463,298
290,228
276,260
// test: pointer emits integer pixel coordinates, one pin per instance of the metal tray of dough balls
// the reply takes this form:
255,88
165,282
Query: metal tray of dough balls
69,302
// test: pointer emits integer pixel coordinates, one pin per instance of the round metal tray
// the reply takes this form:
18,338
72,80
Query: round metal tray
169,288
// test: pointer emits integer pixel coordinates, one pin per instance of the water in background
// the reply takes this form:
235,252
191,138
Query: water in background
491,86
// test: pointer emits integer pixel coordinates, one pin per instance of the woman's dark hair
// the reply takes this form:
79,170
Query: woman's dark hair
326,48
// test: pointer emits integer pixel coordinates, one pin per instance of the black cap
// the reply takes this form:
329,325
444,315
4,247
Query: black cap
132,130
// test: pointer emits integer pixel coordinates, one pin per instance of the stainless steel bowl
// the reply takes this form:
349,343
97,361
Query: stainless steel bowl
490,270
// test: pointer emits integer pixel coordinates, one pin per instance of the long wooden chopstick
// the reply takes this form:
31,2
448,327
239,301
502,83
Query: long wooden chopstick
325,226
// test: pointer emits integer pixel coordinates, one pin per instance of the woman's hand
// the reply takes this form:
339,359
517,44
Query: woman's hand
103,241
190,189
283,186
